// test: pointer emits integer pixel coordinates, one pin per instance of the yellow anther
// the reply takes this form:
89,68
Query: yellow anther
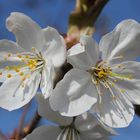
5,58
27,56
32,64
102,74
130,77
23,78
9,75
9,54
112,84
21,73
33,49
122,90
119,66
23,60
17,70
19,56
7,68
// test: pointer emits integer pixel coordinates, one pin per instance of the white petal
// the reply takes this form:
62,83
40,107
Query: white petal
131,87
45,111
89,127
8,57
73,95
14,93
85,54
46,84
115,112
55,48
44,133
7,46
91,48
124,40
27,32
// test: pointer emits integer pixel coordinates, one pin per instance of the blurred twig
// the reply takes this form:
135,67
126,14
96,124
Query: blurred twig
82,19
2,136
30,127
21,122
86,12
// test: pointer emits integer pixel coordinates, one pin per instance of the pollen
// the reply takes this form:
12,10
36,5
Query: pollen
32,64
9,75
7,68
17,70
102,74
19,56
5,58
27,56
23,60
130,77
9,54
33,49
112,84
122,90
21,73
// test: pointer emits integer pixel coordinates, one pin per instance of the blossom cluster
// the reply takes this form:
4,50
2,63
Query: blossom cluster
96,95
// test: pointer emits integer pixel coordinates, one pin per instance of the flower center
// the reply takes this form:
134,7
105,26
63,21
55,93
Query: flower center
104,75
101,73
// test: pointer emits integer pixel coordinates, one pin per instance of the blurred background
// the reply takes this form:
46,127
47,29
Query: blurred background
55,13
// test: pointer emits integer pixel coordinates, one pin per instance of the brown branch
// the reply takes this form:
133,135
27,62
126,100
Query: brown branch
2,136
83,18
30,127
21,122
86,13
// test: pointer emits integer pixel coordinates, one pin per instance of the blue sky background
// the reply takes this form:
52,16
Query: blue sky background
55,13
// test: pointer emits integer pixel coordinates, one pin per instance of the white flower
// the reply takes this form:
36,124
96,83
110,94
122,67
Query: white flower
29,62
105,77
84,127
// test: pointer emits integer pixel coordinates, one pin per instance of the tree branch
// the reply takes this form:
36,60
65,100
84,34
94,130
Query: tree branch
30,127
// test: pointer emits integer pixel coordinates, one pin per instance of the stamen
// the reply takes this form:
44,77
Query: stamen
7,68
129,77
9,54
110,89
5,58
27,56
17,70
117,57
21,74
9,75
33,49
122,91
19,56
